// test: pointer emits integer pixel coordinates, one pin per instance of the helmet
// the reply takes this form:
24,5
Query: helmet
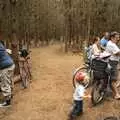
80,76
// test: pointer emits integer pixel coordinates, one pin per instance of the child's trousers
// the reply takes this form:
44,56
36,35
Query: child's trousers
77,108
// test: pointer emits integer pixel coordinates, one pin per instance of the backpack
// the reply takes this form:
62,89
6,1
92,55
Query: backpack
88,53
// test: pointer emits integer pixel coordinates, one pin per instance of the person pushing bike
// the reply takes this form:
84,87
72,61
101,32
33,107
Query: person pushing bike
113,49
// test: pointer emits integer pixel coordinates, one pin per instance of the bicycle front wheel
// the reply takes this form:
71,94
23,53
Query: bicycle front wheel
83,69
97,93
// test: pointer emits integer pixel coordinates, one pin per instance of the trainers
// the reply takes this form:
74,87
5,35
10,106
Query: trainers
7,103
117,97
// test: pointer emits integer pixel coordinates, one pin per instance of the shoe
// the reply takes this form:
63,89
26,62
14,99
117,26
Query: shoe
6,103
117,97
71,117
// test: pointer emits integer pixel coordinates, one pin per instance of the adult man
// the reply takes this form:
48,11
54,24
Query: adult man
113,49
104,40
6,72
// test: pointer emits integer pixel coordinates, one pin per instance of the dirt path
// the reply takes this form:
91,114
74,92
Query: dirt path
50,94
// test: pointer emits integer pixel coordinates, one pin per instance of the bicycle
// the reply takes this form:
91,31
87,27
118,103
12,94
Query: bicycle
102,86
25,72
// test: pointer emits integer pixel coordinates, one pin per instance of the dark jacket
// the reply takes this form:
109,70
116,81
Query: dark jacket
5,60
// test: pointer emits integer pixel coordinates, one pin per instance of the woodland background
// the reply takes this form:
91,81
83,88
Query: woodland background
40,22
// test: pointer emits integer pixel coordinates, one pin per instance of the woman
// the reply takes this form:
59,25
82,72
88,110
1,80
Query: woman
96,47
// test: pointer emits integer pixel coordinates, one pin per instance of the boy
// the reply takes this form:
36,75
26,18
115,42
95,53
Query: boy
78,96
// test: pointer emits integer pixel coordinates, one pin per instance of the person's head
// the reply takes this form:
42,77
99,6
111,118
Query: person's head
96,40
106,35
114,37
81,78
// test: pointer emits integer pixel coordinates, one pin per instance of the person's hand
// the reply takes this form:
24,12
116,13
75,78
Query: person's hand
89,96
9,51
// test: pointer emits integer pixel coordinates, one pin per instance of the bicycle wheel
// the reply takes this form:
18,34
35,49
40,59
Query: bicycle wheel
97,93
83,69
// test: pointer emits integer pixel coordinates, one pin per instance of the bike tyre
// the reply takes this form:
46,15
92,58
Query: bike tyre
74,74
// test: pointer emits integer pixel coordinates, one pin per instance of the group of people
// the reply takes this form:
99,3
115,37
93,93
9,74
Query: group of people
108,44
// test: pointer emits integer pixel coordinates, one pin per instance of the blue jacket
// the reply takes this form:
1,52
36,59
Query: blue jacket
5,60
103,42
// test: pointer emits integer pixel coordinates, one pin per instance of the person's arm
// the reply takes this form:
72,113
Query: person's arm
116,50
86,95
96,50
118,54
102,47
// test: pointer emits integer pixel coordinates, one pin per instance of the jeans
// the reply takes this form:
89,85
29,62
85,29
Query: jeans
77,108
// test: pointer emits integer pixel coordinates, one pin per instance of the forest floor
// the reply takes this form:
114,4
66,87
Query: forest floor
50,94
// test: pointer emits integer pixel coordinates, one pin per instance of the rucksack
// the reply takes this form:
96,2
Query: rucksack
89,52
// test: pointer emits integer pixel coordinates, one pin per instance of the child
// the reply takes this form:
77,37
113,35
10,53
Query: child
78,96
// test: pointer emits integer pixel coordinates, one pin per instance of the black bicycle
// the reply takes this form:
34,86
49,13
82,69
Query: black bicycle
102,81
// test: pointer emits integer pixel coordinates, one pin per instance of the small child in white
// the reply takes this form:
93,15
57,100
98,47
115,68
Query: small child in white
78,96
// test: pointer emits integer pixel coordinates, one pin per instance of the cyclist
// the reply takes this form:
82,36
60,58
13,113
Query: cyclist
113,49
104,40
6,73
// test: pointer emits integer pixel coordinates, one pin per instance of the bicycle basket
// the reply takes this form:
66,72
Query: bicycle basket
99,65
98,75
99,69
